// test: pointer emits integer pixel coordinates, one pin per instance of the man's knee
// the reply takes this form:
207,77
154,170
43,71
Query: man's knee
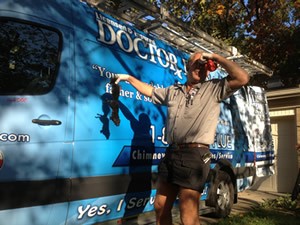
190,220
189,206
190,216
158,204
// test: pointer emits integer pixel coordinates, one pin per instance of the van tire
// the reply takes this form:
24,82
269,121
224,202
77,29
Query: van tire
223,192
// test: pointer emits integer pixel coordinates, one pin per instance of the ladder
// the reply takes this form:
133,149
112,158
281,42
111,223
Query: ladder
157,22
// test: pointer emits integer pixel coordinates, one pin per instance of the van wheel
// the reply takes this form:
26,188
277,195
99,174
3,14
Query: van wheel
223,192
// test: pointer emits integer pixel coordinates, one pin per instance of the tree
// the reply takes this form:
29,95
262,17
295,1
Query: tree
265,30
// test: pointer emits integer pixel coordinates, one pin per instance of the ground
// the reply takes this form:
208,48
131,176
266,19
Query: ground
247,200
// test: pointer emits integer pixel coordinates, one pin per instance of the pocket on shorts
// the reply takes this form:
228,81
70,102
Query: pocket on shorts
195,161
193,164
181,170
196,167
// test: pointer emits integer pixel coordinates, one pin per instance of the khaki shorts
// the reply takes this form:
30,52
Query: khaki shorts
185,167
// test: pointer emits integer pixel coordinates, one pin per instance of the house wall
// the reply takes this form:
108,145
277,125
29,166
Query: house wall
298,132
284,107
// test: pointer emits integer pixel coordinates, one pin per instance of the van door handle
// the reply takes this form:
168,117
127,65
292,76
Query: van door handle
46,122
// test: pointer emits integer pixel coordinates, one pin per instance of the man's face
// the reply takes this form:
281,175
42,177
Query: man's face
197,71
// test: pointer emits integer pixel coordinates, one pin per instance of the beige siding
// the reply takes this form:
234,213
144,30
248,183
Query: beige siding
298,132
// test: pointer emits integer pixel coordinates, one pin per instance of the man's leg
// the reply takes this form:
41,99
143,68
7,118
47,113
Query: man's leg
165,196
189,206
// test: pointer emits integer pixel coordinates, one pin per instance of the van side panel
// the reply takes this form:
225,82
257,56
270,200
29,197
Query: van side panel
243,136
34,177
114,166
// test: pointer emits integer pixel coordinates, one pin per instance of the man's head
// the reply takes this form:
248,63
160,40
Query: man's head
197,68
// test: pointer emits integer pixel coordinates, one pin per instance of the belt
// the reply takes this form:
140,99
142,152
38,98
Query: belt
189,145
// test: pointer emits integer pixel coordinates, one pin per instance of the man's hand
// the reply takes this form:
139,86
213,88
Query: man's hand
205,56
123,77
140,86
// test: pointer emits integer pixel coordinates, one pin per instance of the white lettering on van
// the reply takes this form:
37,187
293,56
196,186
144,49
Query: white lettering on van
120,43
136,44
223,141
112,23
103,72
92,211
220,155
143,155
132,42
14,137
123,93
100,69
135,202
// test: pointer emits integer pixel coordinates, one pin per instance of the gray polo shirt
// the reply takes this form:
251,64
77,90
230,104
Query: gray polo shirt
192,120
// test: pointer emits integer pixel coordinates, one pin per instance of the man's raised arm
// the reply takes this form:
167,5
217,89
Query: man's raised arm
238,77
142,87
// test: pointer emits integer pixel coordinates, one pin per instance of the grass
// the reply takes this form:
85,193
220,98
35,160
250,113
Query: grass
279,211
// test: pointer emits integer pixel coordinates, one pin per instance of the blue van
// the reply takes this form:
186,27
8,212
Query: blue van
64,158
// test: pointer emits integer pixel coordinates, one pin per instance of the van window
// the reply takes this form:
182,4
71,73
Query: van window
29,57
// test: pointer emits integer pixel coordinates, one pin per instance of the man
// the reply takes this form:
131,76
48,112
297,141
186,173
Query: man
193,111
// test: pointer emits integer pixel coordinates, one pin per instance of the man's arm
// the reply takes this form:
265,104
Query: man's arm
142,87
238,77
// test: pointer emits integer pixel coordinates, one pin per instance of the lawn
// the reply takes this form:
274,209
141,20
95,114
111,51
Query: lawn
279,211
